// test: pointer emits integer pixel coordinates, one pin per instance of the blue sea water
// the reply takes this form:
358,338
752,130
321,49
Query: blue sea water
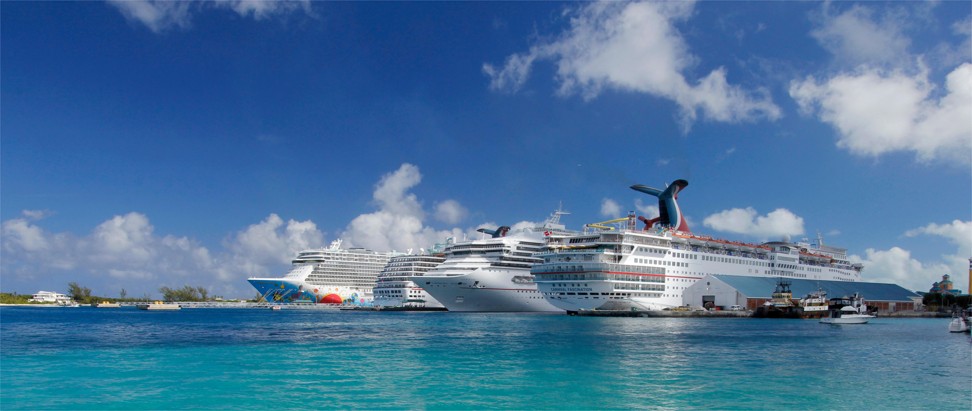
87,358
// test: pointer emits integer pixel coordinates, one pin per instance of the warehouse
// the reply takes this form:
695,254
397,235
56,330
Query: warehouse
751,292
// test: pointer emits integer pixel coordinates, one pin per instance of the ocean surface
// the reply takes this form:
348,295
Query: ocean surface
88,358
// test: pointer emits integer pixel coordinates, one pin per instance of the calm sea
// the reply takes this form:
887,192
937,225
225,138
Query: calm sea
87,358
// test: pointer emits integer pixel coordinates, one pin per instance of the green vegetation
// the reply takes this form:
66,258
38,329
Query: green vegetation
14,298
937,301
186,293
78,293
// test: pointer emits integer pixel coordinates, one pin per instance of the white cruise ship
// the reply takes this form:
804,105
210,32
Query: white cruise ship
395,289
648,269
329,275
493,274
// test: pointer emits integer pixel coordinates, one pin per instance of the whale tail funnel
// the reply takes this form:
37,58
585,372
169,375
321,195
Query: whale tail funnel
670,214
499,232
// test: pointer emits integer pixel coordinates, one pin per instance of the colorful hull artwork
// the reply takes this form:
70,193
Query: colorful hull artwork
284,291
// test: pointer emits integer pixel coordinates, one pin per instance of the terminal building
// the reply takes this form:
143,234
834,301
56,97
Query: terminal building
752,292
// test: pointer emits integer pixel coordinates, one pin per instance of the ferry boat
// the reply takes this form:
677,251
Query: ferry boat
331,275
394,287
493,273
626,268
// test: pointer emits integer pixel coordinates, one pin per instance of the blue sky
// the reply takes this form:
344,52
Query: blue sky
148,144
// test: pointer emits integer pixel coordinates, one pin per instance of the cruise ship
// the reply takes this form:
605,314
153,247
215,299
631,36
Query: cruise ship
624,268
329,275
493,273
395,289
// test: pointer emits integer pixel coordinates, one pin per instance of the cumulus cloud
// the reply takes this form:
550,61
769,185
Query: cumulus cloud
857,36
161,15
610,208
779,222
896,265
635,47
254,251
124,251
647,210
877,113
399,222
450,212
121,250
885,102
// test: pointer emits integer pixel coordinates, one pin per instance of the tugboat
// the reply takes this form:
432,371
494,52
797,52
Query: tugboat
814,304
781,305
847,310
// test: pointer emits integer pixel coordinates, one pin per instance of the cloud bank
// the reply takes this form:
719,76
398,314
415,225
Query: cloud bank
634,47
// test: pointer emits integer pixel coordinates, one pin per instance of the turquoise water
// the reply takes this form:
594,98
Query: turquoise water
86,358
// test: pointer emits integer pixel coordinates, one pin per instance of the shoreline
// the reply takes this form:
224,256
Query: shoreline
584,313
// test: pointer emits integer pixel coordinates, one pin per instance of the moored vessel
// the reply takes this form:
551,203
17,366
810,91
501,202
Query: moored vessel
621,267
331,275
395,288
493,273
158,306
847,310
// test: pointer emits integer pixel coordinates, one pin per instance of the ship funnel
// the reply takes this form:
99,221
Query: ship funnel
670,214
499,232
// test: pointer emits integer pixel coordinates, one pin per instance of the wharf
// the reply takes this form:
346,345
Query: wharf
663,313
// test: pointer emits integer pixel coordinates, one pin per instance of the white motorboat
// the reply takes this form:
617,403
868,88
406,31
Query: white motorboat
847,310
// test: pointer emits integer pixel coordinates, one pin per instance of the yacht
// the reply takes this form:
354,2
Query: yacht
848,310
331,275
615,265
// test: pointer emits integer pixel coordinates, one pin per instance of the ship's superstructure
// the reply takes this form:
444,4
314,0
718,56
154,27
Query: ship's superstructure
648,268
329,275
493,273
395,288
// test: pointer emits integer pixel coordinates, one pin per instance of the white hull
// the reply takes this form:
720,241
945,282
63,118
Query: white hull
958,325
485,290
847,319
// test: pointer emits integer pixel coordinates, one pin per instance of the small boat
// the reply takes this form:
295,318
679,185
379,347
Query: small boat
106,304
961,323
847,310
159,305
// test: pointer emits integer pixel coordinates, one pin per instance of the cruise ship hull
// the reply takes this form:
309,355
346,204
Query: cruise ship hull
486,290
284,290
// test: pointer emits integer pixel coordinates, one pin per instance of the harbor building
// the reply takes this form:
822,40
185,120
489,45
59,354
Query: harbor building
751,292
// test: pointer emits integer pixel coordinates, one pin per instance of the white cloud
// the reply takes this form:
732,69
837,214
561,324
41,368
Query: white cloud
398,224
635,47
124,252
958,232
610,208
271,241
876,113
854,37
778,223
897,266
450,212
161,15
647,210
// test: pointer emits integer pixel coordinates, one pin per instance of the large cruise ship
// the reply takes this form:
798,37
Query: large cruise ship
395,288
626,268
329,275
493,274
